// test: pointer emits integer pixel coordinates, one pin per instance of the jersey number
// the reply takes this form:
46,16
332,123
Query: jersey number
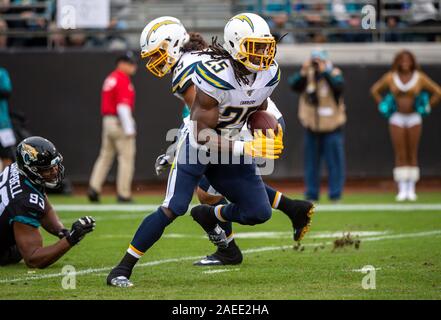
35,199
235,115
216,66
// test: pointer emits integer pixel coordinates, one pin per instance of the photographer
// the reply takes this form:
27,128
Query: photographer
322,114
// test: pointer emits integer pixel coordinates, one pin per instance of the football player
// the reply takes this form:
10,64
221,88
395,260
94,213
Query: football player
184,62
222,82
25,207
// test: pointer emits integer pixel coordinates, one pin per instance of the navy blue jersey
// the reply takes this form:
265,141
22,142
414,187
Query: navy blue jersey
21,201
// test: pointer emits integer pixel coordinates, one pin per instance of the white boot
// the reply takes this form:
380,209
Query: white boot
414,176
402,191
401,176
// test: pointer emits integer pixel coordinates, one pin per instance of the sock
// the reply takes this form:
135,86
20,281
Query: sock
148,233
227,226
126,265
410,187
402,186
274,196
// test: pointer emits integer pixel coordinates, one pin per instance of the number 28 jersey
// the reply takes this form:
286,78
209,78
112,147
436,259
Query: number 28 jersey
21,201
236,101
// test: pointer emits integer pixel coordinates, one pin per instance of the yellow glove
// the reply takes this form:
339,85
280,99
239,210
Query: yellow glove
269,147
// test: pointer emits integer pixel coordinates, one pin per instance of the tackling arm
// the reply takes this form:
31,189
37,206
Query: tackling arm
30,245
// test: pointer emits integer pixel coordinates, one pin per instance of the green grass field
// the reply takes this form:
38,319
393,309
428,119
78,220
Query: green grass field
403,245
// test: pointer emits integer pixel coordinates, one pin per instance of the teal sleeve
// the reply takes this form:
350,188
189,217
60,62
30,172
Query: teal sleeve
5,81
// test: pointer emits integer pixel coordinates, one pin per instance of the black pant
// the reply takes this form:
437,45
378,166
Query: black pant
10,256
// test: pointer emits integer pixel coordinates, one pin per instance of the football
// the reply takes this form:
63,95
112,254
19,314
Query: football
262,120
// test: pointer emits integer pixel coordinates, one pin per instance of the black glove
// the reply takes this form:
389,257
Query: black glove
79,229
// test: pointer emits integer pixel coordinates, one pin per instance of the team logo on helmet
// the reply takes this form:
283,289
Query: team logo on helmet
29,153
244,18
157,26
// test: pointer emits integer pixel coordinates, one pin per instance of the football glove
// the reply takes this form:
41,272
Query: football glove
80,228
163,162
268,146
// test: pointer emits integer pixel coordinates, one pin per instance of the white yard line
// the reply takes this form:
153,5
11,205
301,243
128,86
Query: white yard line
220,270
320,207
248,251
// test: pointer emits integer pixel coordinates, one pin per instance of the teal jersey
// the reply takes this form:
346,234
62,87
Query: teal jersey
5,85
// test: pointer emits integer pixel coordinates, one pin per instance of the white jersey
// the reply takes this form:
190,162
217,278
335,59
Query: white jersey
183,72
236,101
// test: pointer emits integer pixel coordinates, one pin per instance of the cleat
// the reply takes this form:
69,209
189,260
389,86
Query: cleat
209,261
302,220
121,282
228,256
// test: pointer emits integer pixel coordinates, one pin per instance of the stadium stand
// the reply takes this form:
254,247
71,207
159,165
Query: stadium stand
33,23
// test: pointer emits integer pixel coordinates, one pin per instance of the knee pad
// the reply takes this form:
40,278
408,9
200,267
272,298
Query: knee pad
414,174
401,174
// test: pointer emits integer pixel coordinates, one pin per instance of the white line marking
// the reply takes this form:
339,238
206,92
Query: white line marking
220,270
319,208
248,251
364,270
260,235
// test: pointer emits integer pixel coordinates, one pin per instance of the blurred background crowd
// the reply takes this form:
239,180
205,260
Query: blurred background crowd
114,24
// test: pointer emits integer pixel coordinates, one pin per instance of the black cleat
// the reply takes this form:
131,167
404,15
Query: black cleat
228,256
301,221
93,195
119,277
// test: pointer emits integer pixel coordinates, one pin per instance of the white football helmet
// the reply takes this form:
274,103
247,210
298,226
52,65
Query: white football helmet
161,43
248,40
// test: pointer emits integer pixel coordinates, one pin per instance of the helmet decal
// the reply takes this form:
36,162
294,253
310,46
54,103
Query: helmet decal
244,18
157,26
29,153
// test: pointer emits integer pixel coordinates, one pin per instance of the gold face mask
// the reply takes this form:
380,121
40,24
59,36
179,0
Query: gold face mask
159,62
259,53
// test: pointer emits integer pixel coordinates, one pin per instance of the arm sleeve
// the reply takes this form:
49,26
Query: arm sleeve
433,88
5,84
336,82
125,116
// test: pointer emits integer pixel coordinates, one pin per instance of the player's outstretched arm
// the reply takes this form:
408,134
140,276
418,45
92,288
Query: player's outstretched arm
30,245
30,242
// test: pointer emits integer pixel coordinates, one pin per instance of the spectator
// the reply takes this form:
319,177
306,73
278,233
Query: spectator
322,114
423,13
315,17
3,25
279,24
7,138
407,101
118,137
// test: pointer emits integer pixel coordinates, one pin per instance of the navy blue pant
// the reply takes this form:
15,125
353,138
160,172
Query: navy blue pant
328,147
239,183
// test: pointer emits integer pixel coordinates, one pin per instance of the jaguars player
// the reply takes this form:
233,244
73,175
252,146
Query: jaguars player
184,89
25,207
212,110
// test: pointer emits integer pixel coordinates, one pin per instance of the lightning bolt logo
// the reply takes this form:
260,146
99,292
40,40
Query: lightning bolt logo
158,25
244,18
